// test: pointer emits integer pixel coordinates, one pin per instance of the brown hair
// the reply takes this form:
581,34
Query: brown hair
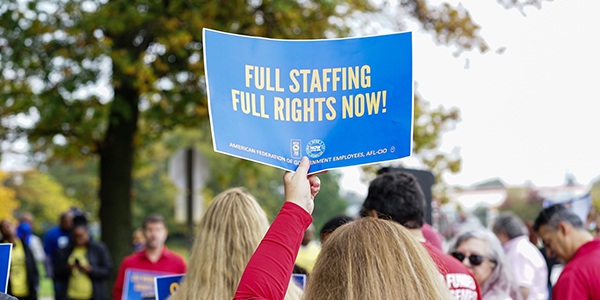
153,218
229,232
374,259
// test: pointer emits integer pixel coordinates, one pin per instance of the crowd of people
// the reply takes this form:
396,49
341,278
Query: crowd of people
388,251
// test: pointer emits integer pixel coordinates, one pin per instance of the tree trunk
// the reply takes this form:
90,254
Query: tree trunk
116,165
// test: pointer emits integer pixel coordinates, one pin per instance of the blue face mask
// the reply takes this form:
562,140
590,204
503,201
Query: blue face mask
138,246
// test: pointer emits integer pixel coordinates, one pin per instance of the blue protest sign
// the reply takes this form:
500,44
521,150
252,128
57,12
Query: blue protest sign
139,284
165,286
5,251
341,102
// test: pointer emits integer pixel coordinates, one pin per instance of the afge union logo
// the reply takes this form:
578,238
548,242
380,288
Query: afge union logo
296,148
315,148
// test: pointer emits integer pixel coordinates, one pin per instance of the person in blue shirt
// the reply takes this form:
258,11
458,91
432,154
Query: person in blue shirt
55,239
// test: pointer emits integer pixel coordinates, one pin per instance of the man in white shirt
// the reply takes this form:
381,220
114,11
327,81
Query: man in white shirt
525,259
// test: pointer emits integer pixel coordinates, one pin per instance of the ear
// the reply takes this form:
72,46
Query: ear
563,228
373,213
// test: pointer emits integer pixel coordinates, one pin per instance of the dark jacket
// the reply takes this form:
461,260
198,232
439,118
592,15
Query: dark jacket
33,276
100,261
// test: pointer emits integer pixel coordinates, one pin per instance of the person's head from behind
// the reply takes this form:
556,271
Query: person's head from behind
331,225
374,259
26,217
508,226
81,235
397,196
561,231
24,231
229,232
482,253
66,220
155,231
309,234
7,229
138,241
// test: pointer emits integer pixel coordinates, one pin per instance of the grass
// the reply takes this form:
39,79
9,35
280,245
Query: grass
46,288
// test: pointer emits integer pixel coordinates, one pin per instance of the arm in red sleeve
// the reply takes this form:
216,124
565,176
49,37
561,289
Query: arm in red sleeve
117,291
268,272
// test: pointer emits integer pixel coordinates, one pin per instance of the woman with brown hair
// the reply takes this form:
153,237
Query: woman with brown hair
231,229
365,259
374,259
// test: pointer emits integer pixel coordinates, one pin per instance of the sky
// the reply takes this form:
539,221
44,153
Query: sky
530,114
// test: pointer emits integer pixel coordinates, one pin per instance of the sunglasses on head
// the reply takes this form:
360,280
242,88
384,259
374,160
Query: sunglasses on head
474,259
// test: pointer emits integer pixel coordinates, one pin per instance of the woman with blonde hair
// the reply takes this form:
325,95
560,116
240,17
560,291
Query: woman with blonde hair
229,232
365,259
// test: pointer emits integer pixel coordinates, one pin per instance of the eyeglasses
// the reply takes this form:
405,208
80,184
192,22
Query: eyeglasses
474,259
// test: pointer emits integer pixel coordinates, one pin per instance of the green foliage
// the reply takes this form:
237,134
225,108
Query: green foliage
153,191
9,202
428,128
40,194
328,202
79,178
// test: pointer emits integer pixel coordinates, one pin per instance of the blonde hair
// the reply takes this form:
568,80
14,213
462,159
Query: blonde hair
374,259
229,232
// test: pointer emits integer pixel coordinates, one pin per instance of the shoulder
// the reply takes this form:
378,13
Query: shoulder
169,253
173,256
175,260
446,263
98,246
51,233
131,259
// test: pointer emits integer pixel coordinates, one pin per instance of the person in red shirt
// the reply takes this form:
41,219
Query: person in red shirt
155,257
565,237
397,196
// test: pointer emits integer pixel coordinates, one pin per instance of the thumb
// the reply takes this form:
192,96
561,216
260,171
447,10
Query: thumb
303,167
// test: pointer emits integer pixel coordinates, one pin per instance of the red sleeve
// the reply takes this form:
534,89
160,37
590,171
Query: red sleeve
117,291
268,272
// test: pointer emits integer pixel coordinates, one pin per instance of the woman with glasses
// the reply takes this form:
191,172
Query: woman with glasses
482,253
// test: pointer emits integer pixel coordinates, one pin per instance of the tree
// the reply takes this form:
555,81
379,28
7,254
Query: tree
57,57
79,179
9,202
41,195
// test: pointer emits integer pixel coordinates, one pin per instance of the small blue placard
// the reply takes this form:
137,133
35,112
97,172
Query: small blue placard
5,252
165,286
341,102
139,284
300,279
